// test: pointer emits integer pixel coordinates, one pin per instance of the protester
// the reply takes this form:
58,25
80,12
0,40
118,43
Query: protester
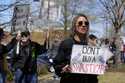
3,62
25,61
106,43
124,53
14,42
112,47
80,32
122,50
93,40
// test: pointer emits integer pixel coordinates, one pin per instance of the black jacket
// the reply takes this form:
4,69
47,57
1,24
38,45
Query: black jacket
27,57
11,44
3,51
63,58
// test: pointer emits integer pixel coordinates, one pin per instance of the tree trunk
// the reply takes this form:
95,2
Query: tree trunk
118,46
48,11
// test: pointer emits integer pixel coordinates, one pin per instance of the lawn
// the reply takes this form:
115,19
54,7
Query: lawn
108,77
114,74
112,77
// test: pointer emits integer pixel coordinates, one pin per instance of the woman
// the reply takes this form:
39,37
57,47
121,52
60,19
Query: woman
80,29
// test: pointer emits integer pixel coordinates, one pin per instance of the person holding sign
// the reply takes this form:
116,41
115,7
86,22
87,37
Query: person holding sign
78,60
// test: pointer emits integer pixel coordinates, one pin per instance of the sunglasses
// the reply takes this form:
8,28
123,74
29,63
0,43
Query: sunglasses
25,34
80,23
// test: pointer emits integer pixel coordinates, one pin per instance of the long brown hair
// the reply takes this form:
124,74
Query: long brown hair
73,29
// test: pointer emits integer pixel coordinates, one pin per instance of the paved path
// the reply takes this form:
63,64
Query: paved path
48,81
45,79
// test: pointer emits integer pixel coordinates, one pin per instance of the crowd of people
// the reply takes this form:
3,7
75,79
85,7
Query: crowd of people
111,44
24,59
24,53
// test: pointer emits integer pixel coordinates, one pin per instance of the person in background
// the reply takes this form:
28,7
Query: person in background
14,42
106,43
80,31
124,53
25,61
112,47
93,40
122,50
3,62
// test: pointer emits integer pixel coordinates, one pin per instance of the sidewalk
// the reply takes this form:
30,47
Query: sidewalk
46,77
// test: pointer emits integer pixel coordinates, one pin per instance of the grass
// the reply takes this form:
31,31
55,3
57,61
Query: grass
108,77
112,77
38,37
114,74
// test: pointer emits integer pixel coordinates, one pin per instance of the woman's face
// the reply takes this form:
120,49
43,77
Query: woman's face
25,39
82,25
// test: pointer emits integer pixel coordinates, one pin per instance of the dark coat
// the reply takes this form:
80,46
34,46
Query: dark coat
26,60
3,51
63,58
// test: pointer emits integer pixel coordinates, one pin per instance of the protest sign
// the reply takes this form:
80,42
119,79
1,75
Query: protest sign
89,59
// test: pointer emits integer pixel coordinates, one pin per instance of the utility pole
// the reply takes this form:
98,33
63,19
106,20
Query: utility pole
41,9
48,11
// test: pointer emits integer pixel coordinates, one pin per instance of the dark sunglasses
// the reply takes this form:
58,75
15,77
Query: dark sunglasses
80,23
25,34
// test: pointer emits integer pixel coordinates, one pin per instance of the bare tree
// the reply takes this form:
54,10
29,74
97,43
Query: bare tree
70,8
48,10
5,7
114,11
65,16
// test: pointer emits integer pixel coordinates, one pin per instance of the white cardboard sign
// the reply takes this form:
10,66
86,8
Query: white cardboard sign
89,59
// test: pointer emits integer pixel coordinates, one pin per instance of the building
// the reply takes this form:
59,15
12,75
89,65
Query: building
48,14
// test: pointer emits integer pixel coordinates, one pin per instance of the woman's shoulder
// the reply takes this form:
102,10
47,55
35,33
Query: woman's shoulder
67,41
3,48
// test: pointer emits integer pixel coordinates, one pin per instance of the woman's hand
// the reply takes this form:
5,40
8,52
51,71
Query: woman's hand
18,36
66,68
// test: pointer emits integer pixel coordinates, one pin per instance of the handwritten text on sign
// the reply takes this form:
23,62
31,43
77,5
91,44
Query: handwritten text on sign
88,60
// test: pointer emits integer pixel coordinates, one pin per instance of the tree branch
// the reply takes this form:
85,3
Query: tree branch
9,6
